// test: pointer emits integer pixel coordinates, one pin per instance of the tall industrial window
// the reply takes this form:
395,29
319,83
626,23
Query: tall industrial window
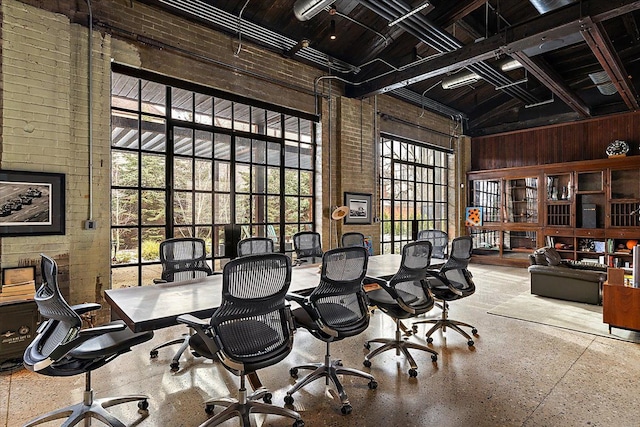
413,191
188,163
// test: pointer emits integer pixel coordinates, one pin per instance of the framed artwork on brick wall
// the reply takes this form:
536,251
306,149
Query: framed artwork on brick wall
31,203
359,205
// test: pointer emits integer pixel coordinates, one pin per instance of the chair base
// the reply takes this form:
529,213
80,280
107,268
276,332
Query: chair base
244,405
175,362
401,346
330,370
448,323
91,408
444,322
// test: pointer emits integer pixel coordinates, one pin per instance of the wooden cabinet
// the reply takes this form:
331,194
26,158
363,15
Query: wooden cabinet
621,306
587,210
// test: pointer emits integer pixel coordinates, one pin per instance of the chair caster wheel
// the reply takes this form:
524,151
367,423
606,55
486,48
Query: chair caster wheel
267,398
373,384
470,343
143,405
175,367
474,331
346,409
209,409
153,354
434,358
413,373
339,363
288,399
367,363
429,340
367,345
298,423
293,372
414,328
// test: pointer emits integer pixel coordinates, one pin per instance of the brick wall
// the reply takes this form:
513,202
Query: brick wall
45,129
44,68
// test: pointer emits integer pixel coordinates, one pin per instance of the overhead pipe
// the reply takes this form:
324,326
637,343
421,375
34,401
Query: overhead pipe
423,29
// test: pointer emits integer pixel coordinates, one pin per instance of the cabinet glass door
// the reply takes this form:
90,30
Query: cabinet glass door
521,200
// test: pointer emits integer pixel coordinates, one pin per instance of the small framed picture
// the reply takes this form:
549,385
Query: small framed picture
359,205
31,203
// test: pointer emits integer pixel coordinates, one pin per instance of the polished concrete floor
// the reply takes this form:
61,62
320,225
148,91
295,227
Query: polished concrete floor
517,374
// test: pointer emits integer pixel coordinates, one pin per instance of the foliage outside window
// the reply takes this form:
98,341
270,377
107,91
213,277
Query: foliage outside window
192,164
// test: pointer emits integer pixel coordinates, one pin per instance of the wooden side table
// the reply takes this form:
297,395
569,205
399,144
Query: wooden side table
621,306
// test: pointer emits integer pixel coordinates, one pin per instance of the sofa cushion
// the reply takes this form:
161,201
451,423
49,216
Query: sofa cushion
539,256
552,256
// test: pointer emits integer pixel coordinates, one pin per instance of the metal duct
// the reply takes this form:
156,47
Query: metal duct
544,6
307,9
603,83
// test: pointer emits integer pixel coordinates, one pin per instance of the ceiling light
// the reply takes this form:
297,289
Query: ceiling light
408,14
332,34
307,9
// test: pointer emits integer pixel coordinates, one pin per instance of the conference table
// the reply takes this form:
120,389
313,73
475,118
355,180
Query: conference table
146,308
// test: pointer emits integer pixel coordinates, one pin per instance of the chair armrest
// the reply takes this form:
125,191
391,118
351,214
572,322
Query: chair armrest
204,330
296,297
193,321
101,330
85,308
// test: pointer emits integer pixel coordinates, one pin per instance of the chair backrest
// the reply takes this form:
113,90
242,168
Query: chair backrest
253,323
255,245
184,258
455,269
339,298
352,238
411,276
63,323
307,244
439,242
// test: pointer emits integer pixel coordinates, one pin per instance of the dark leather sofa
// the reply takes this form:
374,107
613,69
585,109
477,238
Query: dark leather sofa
553,277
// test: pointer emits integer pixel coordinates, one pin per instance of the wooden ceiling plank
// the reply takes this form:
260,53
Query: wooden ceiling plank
558,23
600,43
548,77
454,11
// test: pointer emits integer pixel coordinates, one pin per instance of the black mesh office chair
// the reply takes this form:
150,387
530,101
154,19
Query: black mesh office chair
439,242
453,281
334,310
252,329
352,238
404,296
255,245
182,258
62,348
308,247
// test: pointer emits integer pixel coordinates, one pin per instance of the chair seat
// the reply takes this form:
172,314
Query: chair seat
442,292
111,343
338,314
380,296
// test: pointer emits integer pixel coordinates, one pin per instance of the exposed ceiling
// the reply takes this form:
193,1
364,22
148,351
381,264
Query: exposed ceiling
500,64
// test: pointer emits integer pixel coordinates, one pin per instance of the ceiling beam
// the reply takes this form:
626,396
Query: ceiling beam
450,12
548,77
600,43
552,25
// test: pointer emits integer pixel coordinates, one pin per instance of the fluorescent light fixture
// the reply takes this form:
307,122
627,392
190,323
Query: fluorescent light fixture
307,9
537,104
408,14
